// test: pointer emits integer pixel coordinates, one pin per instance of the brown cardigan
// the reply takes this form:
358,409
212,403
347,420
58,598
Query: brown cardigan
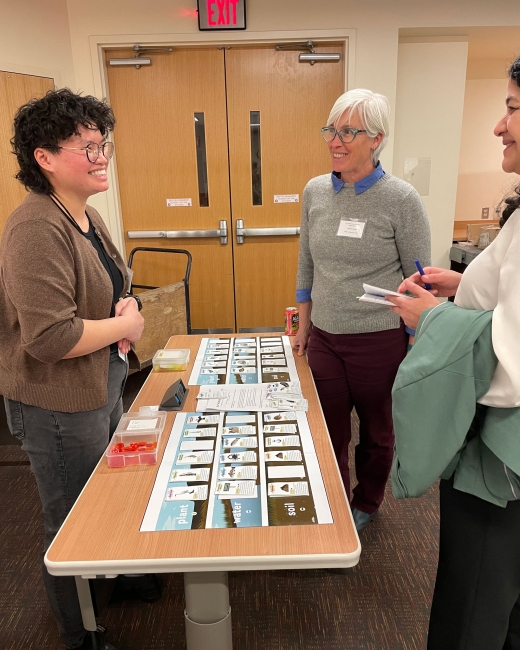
50,280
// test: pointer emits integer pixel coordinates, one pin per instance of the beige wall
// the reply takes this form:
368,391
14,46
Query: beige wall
430,98
481,183
35,39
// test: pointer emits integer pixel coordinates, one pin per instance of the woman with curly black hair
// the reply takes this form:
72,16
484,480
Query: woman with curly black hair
65,327
476,602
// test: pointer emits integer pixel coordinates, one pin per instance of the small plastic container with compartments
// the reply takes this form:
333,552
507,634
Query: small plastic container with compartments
168,360
136,439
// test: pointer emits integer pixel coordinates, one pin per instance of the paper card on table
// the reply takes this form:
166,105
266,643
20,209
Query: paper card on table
235,488
288,456
282,489
279,428
273,362
247,430
202,419
273,356
286,471
135,425
292,387
241,370
246,344
238,472
265,340
193,493
190,475
214,364
206,432
282,441
239,457
244,362
240,419
213,371
200,458
274,403
245,340
275,369
196,445
239,442
272,349
239,356
279,417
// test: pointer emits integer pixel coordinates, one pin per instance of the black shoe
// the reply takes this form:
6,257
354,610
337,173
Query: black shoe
143,587
96,641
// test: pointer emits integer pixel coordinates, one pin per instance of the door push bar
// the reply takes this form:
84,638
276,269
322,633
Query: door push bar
222,232
263,232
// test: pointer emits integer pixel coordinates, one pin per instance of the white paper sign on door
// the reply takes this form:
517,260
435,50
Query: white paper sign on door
178,203
286,198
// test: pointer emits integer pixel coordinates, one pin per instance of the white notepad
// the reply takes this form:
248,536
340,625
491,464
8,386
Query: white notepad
377,295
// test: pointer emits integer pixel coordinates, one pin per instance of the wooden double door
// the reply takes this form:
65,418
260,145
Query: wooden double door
220,140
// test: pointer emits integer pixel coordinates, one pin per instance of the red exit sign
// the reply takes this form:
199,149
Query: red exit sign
215,15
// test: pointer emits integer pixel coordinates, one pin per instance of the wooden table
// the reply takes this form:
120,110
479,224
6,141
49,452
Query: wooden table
101,536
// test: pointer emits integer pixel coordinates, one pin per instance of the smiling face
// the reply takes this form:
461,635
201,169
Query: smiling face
71,172
508,128
353,160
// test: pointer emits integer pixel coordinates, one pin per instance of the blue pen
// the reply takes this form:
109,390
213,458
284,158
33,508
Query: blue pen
421,271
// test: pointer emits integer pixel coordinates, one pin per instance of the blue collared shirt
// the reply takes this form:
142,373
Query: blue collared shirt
359,186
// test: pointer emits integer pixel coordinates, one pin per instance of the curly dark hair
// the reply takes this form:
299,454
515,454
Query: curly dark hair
512,202
47,122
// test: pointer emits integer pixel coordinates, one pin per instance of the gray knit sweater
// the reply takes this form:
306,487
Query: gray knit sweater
334,267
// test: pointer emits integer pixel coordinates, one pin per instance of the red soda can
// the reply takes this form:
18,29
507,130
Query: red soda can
292,320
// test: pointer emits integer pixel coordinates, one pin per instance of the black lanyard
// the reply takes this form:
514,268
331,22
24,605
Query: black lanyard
66,212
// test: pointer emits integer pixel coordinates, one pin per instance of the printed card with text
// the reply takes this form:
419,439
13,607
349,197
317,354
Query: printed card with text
192,493
294,489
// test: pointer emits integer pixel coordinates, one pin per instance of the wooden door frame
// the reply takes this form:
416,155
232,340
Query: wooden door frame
99,45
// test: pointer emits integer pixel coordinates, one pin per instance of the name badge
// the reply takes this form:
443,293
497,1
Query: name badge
351,228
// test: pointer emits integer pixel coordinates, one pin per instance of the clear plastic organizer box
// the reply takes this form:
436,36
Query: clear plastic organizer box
136,439
176,360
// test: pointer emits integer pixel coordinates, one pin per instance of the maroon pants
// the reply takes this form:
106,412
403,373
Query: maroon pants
358,370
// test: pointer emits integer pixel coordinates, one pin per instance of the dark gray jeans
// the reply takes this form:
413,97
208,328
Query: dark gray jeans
64,449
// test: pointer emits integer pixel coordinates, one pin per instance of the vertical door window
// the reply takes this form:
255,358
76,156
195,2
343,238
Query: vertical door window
202,166
256,167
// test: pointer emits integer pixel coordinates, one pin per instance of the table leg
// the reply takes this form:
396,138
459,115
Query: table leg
85,603
207,615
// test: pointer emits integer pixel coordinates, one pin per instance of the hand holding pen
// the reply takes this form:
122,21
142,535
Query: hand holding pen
440,282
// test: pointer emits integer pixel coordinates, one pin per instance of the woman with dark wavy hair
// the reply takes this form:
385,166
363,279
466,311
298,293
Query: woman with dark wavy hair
65,327
476,603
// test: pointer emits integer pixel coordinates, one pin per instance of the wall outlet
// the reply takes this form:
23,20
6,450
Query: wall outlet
485,213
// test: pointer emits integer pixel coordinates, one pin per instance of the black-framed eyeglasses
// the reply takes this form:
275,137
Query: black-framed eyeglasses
346,135
93,150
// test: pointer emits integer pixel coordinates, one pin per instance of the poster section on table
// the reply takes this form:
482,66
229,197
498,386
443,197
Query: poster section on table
237,470
243,361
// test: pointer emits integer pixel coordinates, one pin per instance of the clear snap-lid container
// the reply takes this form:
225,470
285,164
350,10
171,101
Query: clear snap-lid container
171,359
136,439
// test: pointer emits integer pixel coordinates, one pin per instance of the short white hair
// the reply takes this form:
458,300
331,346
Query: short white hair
373,110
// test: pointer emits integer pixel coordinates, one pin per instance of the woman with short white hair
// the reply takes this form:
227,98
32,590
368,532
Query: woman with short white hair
359,225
